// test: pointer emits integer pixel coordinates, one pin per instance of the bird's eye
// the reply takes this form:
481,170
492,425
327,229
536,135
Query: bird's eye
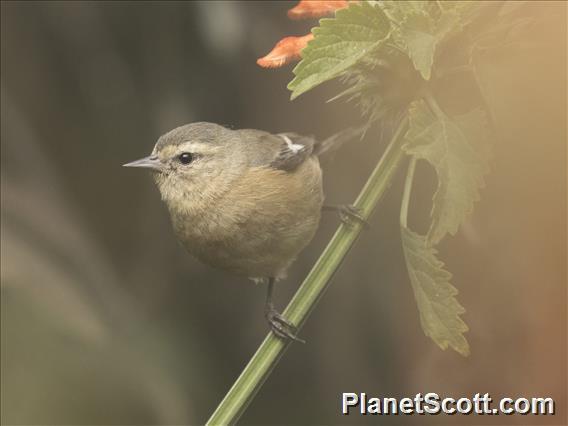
185,158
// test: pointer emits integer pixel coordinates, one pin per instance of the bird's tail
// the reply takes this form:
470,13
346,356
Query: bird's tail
337,140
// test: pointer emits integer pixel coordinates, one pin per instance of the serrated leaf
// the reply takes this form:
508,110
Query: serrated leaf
419,34
419,40
457,149
434,294
339,44
466,11
397,10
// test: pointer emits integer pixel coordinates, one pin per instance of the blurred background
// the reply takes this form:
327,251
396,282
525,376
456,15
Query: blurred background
105,318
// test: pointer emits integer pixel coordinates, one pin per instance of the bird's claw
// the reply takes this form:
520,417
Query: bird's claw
281,327
348,214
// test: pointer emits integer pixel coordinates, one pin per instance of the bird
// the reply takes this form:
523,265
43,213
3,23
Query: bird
245,201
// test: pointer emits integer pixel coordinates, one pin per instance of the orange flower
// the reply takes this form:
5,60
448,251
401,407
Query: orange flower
286,50
306,9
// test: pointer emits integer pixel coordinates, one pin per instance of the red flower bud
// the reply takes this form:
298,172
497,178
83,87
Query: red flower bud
306,9
286,51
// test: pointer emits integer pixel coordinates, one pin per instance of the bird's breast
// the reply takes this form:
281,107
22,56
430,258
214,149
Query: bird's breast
259,225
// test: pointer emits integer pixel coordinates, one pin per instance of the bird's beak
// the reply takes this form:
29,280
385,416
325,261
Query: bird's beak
150,162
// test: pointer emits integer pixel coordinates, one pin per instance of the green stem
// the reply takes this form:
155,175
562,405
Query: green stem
406,193
272,348
433,104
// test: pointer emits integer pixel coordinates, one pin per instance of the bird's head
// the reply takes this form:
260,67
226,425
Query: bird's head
194,161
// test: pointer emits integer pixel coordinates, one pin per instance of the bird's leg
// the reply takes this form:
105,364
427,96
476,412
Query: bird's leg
348,213
279,325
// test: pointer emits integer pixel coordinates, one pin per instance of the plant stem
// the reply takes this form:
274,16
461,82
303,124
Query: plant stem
433,104
272,348
406,193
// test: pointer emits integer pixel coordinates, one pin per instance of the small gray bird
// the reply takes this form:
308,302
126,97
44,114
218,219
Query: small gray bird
245,201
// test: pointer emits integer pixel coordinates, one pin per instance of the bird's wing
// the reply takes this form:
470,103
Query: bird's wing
294,150
283,151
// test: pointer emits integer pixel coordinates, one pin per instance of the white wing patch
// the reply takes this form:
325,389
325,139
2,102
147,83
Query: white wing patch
294,147
293,152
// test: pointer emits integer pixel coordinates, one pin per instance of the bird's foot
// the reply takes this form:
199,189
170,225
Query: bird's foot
280,326
348,214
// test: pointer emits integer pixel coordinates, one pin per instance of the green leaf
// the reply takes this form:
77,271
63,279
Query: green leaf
466,11
339,43
435,295
397,10
419,40
419,34
458,151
